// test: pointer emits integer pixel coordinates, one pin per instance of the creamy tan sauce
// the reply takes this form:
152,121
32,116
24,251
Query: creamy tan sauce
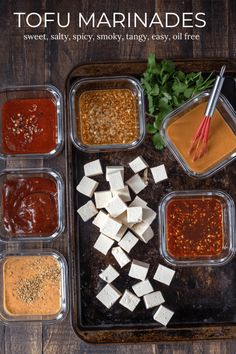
32,285
221,143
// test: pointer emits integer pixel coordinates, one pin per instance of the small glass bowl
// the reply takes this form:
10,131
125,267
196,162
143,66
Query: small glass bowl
106,83
228,210
31,92
6,236
227,112
13,319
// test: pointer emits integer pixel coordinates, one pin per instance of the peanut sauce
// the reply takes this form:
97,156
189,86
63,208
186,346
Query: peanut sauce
221,143
107,117
32,285
194,227
29,126
30,206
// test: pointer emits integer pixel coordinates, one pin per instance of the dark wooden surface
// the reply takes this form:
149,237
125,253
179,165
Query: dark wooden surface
23,63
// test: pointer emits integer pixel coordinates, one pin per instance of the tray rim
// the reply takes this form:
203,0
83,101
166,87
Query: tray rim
163,334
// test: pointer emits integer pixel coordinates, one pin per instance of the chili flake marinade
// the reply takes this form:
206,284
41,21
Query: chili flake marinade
107,117
194,227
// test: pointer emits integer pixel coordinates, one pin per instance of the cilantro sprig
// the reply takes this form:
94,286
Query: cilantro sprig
166,89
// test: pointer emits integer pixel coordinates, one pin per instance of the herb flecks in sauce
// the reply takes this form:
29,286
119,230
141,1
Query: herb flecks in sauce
107,117
194,227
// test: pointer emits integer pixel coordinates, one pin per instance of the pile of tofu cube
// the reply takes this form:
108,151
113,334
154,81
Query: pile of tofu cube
122,223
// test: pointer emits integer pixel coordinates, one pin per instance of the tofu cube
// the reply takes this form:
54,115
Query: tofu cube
108,295
159,173
120,256
111,227
149,215
123,219
116,206
128,241
134,215
103,244
93,168
136,183
102,198
129,300
87,211
143,231
138,202
112,169
116,181
100,219
109,274
87,186
163,315
153,300
164,274
142,288
138,269
138,164
120,234
123,193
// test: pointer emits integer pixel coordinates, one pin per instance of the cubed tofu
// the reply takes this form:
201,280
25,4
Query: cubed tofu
120,256
123,193
116,206
138,269
149,215
111,227
164,274
129,300
93,168
108,295
112,169
136,183
123,219
116,181
128,241
138,202
142,288
87,186
109,274
153,299
103,244
163,315
102,198
134,215
159,173
100,219
138,164
87,211
120,234
143,231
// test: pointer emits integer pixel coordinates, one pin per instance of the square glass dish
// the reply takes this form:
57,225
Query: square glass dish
179,127
31,124
34,287
197,228
32,205
107,113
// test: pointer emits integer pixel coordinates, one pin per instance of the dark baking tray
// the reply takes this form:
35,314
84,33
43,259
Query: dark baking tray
203,298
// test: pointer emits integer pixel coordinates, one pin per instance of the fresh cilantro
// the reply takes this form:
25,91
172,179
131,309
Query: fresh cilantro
167,88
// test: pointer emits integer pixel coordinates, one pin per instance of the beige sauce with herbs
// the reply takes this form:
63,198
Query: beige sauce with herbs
32,285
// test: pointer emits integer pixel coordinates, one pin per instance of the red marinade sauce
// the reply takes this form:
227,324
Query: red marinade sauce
29,126
30,206
194,227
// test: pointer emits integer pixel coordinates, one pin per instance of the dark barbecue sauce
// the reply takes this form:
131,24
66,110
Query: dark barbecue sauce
30,206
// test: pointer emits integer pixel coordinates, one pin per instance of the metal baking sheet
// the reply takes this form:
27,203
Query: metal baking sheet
203,298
